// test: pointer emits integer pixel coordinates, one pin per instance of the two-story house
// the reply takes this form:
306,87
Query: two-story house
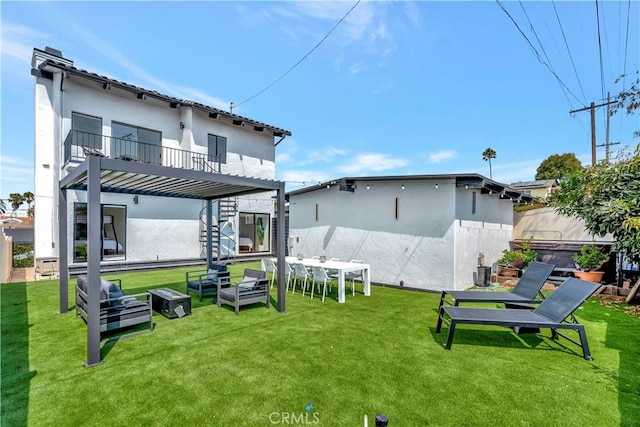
79,113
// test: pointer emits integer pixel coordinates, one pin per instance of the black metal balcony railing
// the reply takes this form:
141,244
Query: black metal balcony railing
78,145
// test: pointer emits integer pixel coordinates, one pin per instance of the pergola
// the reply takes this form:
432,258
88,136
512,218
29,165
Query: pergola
101,174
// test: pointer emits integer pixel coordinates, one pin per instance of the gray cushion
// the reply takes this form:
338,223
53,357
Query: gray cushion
212,275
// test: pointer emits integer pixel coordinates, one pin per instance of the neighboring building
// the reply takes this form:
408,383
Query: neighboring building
80,113
540,189
19,228
418,231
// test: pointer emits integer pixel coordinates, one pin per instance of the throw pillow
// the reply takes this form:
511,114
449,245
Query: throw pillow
212,275
247,283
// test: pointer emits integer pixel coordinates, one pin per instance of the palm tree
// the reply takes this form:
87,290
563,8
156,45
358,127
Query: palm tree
28,198
487,155
16,200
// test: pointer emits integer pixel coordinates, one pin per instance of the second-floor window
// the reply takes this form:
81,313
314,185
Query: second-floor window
217,148
87,130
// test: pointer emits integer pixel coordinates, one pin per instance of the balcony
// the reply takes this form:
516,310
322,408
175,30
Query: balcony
78,145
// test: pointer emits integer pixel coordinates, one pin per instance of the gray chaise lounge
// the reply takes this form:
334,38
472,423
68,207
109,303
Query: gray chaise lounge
552,313
527,291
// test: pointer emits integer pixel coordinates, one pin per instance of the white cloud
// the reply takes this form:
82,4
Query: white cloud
441,156
374,162
283,158
18,41
9,160
303,178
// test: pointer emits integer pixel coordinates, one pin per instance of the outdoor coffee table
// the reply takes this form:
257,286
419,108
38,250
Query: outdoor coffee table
170,303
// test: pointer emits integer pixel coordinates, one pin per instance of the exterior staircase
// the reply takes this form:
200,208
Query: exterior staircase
226,209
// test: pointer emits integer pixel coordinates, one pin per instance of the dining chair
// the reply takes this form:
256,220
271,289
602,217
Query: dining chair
354,275
332,272
270,267
290,275
300,275
320,276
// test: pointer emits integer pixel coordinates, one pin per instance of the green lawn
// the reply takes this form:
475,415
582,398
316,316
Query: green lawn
376,354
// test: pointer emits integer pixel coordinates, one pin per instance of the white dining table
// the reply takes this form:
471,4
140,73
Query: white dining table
341,267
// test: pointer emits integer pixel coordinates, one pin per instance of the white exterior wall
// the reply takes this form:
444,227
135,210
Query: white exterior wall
488,230
46,166
157,228
433,244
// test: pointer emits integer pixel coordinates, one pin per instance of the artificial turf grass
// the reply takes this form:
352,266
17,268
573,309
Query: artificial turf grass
369,355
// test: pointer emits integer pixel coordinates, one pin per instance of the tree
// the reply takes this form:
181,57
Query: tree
557,166
487,155
16,200
628,100
28,198
605,197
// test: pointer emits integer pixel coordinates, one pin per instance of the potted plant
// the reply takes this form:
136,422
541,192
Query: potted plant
512,261
589,259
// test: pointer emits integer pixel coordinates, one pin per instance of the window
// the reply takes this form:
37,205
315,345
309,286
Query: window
114,219
527,192
254,233
86,130
135,143
217,148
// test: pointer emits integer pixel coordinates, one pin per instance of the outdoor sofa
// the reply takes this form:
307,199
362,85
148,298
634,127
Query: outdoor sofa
118,309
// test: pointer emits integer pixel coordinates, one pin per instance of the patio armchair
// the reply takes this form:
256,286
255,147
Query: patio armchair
205,282
251,288
552,313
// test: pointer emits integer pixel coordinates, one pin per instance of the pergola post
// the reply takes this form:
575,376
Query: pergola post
209,233
94,249
63,268
281,245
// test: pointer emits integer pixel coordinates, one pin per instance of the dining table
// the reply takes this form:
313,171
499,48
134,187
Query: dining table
339,267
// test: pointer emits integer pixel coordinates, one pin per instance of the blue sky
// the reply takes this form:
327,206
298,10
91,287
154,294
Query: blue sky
397,88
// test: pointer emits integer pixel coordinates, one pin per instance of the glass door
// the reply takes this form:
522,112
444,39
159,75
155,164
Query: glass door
124,141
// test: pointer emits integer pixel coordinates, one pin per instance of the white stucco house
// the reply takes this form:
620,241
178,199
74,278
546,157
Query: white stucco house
79,113
417,231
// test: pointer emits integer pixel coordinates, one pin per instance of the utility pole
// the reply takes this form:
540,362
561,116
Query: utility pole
607,144
592,107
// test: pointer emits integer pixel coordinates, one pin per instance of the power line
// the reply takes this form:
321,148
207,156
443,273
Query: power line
300,61
535,51
600,50
569,51
626,47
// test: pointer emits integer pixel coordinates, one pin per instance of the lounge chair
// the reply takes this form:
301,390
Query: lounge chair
551,313
527,291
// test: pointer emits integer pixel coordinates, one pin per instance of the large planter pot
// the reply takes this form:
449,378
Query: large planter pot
589,276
